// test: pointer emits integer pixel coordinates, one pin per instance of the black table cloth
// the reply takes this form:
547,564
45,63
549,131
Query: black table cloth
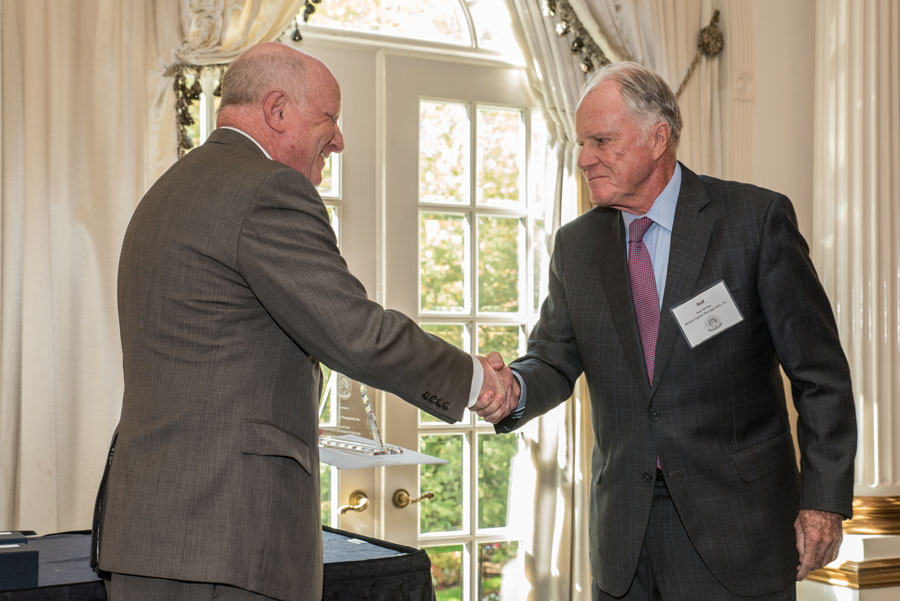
356,567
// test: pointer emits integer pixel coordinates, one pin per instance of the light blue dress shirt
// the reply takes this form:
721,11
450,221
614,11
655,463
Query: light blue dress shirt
657,239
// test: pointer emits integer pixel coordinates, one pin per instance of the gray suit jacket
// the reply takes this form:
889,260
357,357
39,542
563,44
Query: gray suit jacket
716,414
231,289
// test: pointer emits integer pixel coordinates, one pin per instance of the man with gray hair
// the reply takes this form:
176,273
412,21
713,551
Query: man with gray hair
679,297
231,290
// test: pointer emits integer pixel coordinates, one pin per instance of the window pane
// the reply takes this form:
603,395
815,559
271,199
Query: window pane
502,339
456,335
325,473
501,153
444,513
433,20
443,152
540,264
492,559
541,186
453,333
446,571
328,401
495,451
442,257
334,218
494,30
193,129
542,168
330,186
498,264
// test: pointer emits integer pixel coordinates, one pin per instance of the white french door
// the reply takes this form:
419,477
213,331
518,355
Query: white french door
461,226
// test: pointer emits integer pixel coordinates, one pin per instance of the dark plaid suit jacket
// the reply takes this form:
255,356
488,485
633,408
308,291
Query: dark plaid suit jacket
231,288
716,414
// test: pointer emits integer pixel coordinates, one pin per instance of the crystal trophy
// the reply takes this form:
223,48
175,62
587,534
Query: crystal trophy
347,419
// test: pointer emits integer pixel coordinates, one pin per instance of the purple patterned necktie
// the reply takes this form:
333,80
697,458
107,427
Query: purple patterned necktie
643,289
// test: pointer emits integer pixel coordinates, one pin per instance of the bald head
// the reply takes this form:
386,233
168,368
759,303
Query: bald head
288,101
262,68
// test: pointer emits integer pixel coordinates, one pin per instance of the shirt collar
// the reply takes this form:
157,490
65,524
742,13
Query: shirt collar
268,156
663,210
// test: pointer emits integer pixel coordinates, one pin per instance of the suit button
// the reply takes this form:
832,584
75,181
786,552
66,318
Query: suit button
426,395
654,414
647,478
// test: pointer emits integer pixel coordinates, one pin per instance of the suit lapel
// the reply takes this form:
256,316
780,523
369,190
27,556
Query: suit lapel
691,232
609,253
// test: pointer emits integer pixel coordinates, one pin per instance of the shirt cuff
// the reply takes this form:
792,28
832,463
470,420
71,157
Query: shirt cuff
520,408
477,380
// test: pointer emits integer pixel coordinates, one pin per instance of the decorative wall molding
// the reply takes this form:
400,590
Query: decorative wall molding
875,573
874,515
741,76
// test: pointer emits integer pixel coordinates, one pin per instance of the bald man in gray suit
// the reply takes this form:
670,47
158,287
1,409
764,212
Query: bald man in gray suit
231,290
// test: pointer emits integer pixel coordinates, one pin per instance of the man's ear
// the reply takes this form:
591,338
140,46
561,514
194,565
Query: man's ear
660,134
274,104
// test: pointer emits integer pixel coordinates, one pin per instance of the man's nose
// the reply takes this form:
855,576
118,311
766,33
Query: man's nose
585,159
337,142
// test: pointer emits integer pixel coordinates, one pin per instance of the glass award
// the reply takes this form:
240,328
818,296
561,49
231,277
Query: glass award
347,419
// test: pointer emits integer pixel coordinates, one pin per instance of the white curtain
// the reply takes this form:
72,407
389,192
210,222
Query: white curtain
554,457
218,31
88,123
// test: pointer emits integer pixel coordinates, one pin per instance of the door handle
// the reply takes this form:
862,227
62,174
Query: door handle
358,502
402,499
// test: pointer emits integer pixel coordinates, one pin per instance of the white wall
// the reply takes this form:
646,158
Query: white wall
777,39
783,50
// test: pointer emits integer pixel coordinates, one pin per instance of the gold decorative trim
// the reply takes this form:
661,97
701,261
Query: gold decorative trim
709,43
581,42
876,573
874,515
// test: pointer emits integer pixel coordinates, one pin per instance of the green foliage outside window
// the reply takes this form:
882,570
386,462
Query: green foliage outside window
325,492
500,144
495,452
442,242
492,558
446,571
444,512
498,264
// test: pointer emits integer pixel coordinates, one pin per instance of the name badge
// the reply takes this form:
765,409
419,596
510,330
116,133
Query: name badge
708,314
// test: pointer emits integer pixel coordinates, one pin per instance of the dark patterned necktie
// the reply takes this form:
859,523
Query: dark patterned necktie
643,289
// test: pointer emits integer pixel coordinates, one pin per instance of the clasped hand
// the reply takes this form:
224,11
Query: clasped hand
499,391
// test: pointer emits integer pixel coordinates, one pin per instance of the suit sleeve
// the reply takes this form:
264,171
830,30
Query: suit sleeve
552,364
289,257
803,330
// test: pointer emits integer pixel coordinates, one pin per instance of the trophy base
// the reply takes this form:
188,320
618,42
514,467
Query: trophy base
356,444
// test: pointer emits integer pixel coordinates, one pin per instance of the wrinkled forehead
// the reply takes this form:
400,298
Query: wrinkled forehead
603,101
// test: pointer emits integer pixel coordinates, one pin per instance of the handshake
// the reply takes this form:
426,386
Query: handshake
499,391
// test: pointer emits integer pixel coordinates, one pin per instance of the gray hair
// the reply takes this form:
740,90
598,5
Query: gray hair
261,70
648,97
